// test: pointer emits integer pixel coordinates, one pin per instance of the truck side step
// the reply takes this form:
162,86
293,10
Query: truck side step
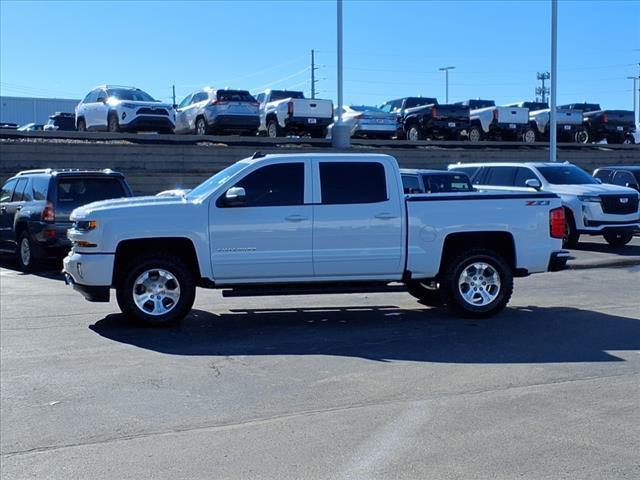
312,289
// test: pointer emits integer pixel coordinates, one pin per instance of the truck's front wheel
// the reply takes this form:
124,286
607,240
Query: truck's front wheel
157,290
477,283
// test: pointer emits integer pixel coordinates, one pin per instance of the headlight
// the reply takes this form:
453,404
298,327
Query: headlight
85,225
589,198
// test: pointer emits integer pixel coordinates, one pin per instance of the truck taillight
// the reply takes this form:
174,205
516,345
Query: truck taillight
49,213
290,109
605,117
495,115
434,112
556,222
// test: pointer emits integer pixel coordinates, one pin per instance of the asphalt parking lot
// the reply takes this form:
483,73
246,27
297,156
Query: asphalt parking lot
340,387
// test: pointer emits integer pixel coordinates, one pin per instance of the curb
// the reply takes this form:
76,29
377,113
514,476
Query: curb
619,262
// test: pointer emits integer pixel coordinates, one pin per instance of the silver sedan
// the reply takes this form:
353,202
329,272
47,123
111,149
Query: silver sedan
369,122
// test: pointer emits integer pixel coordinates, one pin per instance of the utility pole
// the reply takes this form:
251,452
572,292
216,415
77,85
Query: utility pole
635,104
542,91
173,87
340,133
313,74
446,81
553,130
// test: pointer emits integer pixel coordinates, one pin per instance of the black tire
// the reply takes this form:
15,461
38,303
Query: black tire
571,235
629,139
495,267
432,297
529,135
182,279
201,127
113,125
475,134
414,133
582,136
29,259
82,125
617,239
273,128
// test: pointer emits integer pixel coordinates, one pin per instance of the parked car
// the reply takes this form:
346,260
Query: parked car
123,109
209,110
368,122
591,207
423,118
284,113
31,127
614,126
434,181
35,206
623,175
490,122
8,126
269,225
60,121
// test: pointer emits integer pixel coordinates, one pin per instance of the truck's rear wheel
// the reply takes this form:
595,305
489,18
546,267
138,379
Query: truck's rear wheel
273,129
571,235
582,136
428,293
157,290
529,135
477,283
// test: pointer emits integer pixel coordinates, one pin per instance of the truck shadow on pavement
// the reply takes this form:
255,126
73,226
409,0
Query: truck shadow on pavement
51,269
386,333
630,250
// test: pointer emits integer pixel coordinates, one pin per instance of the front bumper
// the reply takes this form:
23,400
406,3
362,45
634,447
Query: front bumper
558,261
90,274
147,123
91,293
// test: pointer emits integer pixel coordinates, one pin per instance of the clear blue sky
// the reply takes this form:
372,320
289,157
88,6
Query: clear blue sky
392,48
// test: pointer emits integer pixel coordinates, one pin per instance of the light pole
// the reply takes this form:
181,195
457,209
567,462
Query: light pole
635,112
446,81
553,132
340,133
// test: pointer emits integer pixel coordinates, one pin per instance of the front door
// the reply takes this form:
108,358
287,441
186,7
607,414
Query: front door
269,237
357,228
8,211
6,218
182,126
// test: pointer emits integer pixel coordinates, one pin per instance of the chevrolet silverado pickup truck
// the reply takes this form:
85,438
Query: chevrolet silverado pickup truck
312,224
614,126
489,122
283,113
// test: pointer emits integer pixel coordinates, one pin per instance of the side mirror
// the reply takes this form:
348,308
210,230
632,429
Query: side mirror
533,183
235,197
598,180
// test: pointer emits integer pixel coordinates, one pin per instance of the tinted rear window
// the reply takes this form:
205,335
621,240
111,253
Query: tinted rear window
569,175
447,183
352,182
279,95
74,192
235,96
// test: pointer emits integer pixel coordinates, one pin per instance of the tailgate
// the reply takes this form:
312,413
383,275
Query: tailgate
513,115
312,108
619,117
566,116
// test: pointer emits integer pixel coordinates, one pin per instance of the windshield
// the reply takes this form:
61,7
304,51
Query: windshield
566,175
218,179
279,95
447,183
132,95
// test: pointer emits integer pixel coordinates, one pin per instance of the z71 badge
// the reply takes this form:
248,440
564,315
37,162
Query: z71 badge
536,203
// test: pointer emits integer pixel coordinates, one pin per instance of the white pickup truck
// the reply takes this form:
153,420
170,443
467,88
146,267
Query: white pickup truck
489,122
284,112
312,223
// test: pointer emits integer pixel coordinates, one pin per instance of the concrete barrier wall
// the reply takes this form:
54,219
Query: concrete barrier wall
151,168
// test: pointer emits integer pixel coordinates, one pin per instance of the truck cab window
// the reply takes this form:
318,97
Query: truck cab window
274,185
352,182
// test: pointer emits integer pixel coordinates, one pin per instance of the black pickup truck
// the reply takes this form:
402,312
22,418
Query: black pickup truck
614,126
422,118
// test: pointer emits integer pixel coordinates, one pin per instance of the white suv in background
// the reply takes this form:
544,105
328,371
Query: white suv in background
591,207
118,109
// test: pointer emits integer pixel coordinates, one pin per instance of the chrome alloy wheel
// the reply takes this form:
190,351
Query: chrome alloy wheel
156,292
25,252
479,284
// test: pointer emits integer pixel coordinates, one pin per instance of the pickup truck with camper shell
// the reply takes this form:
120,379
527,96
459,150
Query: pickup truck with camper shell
591,208
311,224
490,122
284,113
614,126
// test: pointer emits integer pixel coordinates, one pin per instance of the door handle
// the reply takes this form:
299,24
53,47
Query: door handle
386,216
296,218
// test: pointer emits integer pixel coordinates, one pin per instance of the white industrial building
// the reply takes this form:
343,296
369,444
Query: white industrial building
23,110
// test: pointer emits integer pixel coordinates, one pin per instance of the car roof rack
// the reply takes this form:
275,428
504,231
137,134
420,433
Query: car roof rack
56,171
257,155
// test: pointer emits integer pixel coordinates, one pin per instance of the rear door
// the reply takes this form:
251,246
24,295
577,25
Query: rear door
357,229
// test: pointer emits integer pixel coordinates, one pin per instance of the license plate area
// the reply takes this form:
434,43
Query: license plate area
512,125
452,124
312,121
